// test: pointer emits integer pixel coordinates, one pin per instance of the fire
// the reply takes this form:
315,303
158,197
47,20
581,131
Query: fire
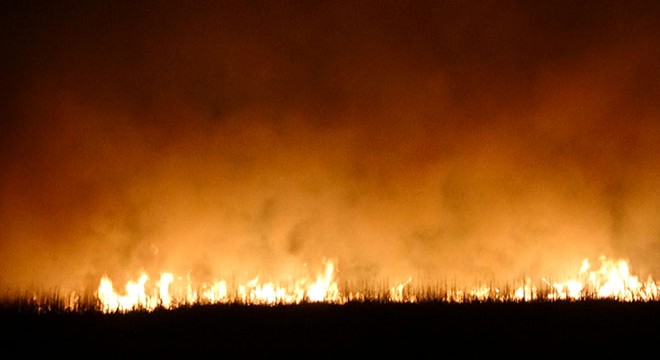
611,280
134,298
137,296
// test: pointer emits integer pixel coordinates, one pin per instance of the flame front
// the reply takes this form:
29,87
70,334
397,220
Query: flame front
612,280
323,289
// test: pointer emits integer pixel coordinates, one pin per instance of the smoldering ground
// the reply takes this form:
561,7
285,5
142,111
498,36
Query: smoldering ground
461,140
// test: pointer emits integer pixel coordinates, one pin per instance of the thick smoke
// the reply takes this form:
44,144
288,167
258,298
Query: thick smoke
440,140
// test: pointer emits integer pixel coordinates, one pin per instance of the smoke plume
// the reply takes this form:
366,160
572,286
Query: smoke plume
438,140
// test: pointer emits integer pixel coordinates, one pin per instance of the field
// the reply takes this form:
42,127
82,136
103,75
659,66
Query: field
365,329
606,312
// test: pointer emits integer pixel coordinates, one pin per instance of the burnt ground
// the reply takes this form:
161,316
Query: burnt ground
373,330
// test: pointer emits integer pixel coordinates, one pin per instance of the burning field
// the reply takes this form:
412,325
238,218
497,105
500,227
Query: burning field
610,280
273,174
604,310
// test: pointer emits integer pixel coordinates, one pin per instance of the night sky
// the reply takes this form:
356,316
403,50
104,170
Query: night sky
438,140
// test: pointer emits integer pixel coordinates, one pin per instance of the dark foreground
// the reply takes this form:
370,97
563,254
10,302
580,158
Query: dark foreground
443,330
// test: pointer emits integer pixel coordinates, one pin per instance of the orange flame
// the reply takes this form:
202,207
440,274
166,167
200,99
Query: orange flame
612,280
324,289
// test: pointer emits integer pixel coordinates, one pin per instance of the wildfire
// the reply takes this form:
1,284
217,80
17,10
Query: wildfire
323,289
611,280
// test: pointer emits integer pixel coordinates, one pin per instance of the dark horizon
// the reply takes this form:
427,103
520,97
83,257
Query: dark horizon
327,331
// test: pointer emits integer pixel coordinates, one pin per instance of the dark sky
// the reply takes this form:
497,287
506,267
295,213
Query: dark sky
441,139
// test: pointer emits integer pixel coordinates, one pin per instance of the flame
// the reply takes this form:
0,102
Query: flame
396,292
136,296
611,280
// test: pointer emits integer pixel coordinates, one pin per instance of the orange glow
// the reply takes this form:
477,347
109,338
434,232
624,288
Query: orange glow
433,150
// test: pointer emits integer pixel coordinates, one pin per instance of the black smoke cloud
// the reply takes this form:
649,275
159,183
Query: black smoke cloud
460,140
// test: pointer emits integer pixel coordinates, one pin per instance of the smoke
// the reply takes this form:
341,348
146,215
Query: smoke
434,140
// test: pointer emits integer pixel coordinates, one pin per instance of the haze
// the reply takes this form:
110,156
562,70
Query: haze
439,140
